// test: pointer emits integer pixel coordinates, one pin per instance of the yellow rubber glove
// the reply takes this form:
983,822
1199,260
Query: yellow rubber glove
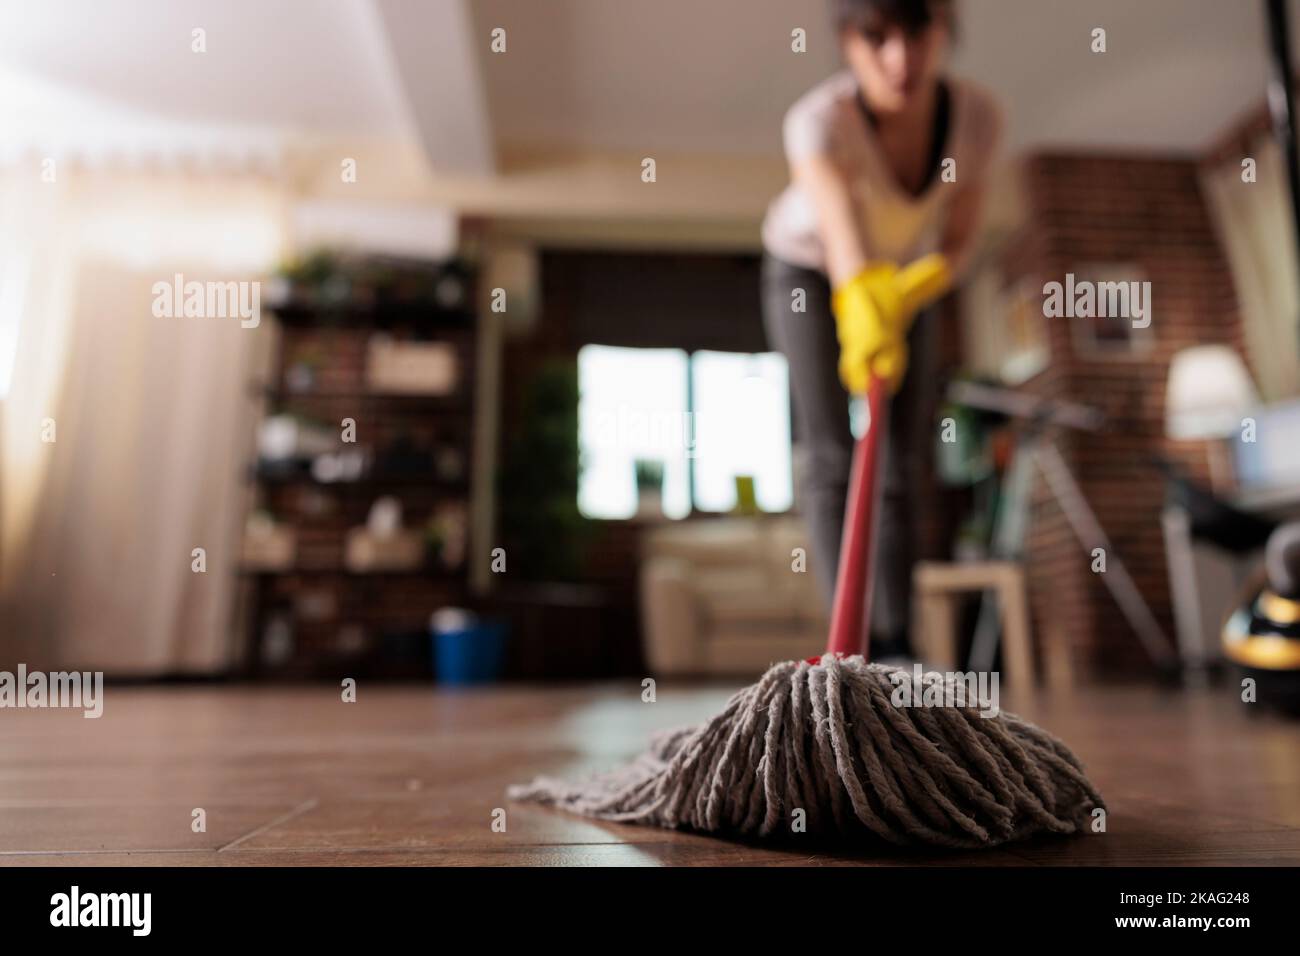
922,282
873,313
866,323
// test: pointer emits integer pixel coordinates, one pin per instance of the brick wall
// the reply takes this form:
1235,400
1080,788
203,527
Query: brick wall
1147,212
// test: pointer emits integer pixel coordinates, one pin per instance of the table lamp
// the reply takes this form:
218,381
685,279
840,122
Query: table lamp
1209,393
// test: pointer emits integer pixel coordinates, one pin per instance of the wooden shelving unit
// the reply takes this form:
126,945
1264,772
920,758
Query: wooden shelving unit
316,617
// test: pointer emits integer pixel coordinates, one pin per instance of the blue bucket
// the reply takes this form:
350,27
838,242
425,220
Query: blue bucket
470,655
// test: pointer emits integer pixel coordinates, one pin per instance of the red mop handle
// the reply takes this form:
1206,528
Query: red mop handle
851,614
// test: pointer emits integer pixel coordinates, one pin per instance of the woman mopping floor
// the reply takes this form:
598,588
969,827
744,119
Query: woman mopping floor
888,161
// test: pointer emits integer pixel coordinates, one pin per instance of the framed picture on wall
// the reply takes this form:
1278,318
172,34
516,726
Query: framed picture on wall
1022,336
1109,308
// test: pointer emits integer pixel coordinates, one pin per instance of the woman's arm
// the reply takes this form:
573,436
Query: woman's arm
837,226
962,223
960,227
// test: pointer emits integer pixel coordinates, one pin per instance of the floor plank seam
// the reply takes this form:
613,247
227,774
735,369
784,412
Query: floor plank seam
304,807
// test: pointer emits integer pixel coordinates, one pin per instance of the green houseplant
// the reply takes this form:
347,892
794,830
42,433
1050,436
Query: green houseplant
543,529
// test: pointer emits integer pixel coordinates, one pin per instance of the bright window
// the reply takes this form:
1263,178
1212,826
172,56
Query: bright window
741,412
631,410
672,432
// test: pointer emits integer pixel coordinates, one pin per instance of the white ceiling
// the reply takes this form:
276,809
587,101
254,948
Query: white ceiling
717,74
670,75
673,75
1175,74
301,64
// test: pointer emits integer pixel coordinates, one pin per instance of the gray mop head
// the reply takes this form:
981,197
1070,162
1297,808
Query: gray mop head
826,738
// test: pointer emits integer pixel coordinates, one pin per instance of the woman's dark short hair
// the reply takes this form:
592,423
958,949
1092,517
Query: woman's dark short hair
911,15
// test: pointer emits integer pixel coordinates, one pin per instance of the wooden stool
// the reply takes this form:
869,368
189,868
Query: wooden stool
936,585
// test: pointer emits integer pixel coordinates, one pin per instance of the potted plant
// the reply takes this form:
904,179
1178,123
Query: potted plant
649,487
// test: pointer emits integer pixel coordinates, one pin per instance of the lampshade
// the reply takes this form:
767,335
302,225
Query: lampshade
1209,392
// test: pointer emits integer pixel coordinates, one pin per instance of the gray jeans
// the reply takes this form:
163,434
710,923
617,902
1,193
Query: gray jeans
821,416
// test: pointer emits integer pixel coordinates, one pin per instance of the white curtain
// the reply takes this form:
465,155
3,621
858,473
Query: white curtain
152,417
1253,221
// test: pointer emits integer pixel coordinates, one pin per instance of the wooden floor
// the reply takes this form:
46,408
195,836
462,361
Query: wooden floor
411,776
